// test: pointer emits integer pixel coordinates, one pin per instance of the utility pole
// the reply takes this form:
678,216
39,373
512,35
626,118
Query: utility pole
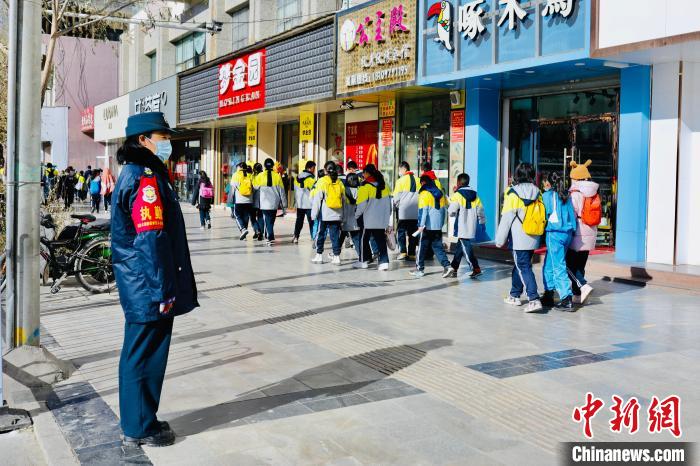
24,173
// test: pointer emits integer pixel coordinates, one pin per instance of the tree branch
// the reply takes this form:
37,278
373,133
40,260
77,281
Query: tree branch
94,20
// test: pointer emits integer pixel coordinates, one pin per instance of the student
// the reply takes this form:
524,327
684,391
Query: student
229,199
431,218
406,205
203,198
374,207
350,225
522,222
95,189
328,203
256,217
242,186
586,201
271,197
107,187
561,224
468,211
427,168
319,234
303,184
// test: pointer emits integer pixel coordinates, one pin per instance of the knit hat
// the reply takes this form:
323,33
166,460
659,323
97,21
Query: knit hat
580,171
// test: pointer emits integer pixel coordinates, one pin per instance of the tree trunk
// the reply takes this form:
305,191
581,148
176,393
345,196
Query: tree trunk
48,61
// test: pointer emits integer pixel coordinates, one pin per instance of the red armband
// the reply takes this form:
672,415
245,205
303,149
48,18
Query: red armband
147,211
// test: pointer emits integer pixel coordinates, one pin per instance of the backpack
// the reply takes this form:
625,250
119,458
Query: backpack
334,195
207,192
592,212
535,218
95,186
246,187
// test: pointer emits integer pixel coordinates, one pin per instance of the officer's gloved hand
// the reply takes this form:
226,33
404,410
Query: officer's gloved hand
166,307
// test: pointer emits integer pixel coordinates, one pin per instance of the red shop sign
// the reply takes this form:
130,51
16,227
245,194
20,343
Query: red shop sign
242,84
361,143
87,120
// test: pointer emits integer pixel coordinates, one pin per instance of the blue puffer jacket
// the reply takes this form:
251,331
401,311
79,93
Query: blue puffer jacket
150,254
560,216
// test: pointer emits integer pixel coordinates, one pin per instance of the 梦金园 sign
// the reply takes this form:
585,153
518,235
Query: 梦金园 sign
306,125
376,46
242,84
251,131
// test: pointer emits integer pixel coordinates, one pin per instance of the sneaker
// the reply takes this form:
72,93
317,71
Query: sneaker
534,306
335,260
384,266
295,240
348,244
163,438
318,259
375,256
475,273
512,300
401,256
360,265
202,227
576,299
243,235
449,272
209,224
566,304
331,255
259,236
548,298
411,258
586,290
417,273
270,242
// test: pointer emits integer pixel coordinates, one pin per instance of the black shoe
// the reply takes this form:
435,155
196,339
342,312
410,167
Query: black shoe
163,438
566,304
165,426
475,273
547,299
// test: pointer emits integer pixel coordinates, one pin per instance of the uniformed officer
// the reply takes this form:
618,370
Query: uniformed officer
153,272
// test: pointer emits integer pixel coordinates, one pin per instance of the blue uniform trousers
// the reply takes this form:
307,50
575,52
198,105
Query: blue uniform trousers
523,276
404,233
554,273
464,250
269,217
142,365
431,240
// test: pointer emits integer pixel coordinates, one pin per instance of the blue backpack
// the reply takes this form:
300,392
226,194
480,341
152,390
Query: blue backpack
95,186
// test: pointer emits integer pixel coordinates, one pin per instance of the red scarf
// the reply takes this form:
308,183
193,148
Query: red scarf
430,174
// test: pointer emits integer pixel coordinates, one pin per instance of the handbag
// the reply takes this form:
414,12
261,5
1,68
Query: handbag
391,241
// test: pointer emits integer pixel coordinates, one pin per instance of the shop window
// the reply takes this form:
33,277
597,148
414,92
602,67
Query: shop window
239,21
153,64
190,51
288,14
335,136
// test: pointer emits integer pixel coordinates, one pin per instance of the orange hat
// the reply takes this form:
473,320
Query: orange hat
580,172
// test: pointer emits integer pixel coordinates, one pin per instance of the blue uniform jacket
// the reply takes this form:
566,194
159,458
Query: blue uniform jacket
152,265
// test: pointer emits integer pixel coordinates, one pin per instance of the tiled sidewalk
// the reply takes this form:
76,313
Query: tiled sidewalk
288,362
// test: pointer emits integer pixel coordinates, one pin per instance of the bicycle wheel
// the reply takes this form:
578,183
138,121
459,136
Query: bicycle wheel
93,267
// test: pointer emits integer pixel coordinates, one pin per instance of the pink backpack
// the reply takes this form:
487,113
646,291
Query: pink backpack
207,192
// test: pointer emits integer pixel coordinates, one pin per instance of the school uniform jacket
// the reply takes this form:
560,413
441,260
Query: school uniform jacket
512,216
320,209
431,208
406,197
270,189
303,184
239,198
375,213
466,206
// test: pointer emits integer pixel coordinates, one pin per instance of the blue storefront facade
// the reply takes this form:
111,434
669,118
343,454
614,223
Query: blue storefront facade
534,94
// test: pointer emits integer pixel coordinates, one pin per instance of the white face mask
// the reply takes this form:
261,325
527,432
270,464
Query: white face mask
163,148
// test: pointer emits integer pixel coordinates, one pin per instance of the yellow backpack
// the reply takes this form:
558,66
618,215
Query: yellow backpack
246,187
535,219
334,195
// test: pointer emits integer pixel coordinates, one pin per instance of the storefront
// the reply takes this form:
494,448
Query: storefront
533,94
110,128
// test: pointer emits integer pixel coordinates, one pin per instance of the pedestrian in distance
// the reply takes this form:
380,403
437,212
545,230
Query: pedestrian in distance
406,204
257,218
271,196
203,198
95,190
468,213
351,227
68,183
303,184
588,209
153,272
328,203
427,169
561,224
242,187
522,225
107,187
229,199
431,218
374,208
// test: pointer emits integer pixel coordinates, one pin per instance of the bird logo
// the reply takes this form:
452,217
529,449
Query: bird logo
443,11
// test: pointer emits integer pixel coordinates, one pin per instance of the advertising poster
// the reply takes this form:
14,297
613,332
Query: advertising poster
361,143
387,149
242,84
251,130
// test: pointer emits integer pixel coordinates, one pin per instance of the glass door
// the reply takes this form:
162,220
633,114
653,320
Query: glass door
554,146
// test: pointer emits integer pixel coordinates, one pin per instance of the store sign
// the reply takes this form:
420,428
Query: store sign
361,143
306,126
251,130
87,120
242,84
376,46
110,119
159,96
387,109
470,17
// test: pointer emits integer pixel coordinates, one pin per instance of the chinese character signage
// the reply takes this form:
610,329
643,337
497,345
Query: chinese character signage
361,143
242,84
387,108
110,119
306,125
251,131
376,46
87,120
160,96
